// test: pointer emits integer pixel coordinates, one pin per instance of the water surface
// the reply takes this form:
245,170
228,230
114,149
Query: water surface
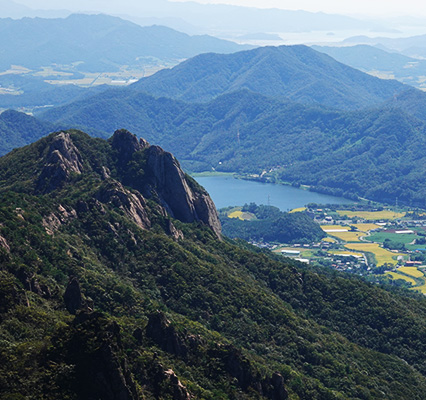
228,191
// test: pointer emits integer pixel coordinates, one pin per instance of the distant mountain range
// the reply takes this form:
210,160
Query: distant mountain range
97,43
202,18
413,46
379,62
293,72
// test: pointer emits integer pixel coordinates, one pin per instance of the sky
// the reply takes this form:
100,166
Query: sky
352,7
381,8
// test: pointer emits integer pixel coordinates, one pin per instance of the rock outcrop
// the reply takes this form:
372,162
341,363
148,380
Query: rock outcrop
164,334
171,185
62,160
163,180
4,245
54,221
133,204
125,145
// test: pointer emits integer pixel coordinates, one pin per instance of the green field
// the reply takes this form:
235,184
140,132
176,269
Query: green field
380,237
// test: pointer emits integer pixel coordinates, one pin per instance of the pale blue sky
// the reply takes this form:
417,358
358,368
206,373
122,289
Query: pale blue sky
380,8
362,7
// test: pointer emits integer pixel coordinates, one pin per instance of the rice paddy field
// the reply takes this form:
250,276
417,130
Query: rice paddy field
412,271
381,255
372,215
345,253
348,236
395,275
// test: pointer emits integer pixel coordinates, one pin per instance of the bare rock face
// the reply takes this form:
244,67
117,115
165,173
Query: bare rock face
54,221
62,160
126,144
171,185
133,204
4,244
179,391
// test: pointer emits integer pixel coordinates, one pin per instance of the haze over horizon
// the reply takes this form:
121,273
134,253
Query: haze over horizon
378,8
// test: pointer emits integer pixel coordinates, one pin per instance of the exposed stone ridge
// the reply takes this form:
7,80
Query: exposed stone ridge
53,222
133,204
62,160
125,144
183,203
4,244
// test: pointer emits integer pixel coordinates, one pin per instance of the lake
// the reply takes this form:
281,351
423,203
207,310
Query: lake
228,191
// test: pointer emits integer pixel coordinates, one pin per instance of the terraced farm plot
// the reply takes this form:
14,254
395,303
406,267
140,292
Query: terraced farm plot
329,239
372,215
381,255
421,288
395,275
295,210
366,227
244,216
412,271
348,236
344,253
235,214
334,228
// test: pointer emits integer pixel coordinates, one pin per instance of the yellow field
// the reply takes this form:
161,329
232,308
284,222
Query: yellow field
413,271
347,236
344,253
301,209
421,288
382,255
326,228
235,214
244,216
329,239
366,227
372,215
394,275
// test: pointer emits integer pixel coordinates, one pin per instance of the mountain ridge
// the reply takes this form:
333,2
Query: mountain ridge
97,42
294,72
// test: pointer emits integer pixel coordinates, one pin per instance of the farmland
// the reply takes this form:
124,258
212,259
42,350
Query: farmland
381,255
395,275
372,215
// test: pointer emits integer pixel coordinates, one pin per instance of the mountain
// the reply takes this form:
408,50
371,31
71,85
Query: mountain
235,19
116,284
12,9
375,153
295,72
413,46
96,43
19,129
379,62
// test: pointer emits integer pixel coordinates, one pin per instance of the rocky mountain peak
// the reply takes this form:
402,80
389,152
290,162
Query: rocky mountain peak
63,159
177,193
125,144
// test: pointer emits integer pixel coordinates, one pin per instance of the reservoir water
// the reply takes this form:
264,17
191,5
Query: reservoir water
228,191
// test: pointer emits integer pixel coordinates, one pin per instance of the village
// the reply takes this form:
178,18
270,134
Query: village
382,244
